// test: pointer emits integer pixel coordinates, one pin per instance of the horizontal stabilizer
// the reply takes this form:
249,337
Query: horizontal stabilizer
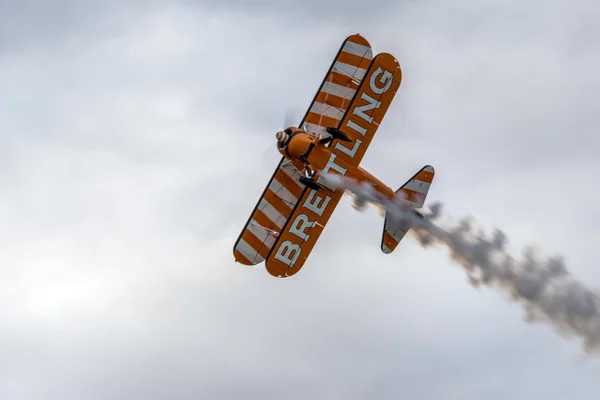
414,191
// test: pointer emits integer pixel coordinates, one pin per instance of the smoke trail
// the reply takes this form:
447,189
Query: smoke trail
545,288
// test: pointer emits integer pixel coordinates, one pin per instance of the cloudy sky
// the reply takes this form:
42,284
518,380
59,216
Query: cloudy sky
137,137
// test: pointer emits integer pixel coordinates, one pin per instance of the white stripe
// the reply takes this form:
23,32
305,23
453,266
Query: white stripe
418,186
414,204
394,229
293,173
338,90
262,234
281,192
272,213
350,70
398,234
385,249
326,110
358,49
249,252
316,129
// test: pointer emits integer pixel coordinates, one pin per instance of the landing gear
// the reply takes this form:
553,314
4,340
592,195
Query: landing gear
309,178
309,182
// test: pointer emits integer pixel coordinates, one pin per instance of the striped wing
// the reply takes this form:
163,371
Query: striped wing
339,86
270,214
281,195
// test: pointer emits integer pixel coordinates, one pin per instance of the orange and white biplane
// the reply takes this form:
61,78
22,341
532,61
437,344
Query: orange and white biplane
337,129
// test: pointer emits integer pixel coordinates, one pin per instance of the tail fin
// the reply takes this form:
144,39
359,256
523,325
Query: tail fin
414,191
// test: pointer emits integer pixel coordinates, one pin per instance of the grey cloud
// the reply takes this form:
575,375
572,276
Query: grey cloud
33,23
40,24
306,14
124,192
498,87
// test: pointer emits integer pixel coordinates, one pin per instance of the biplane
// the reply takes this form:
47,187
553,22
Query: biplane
332,138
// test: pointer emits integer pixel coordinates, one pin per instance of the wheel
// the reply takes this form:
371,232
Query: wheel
309,182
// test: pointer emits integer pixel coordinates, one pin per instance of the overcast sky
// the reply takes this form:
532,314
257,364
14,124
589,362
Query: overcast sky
137,137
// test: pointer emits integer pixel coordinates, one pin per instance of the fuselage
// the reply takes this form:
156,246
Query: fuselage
305,149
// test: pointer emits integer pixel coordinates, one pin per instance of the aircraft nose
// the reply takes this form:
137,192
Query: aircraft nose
281,136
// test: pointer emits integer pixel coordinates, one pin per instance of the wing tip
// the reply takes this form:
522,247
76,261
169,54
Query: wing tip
358,39
240,258
385,249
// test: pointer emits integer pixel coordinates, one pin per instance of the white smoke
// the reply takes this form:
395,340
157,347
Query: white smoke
543,287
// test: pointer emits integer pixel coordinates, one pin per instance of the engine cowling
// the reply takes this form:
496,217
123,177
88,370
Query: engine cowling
282,137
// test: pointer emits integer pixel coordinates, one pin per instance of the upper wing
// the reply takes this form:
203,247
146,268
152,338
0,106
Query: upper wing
313,210
370,106
281,195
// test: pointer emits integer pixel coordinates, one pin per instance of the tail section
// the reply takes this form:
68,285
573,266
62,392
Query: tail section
414,192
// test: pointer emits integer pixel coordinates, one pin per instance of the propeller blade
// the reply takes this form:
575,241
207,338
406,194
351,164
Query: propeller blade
292,117
288,118
270,156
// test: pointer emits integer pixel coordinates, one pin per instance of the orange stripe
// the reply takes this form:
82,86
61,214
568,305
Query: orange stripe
410,194
334,101
356,38
342,80
321,120
263,220
425,176
239,257
257,244
277,203
354,60
389,240
290,184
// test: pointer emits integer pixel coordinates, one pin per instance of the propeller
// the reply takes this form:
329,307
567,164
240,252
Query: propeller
291,117
270,156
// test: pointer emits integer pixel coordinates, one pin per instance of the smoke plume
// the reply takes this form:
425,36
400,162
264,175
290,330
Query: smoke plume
543,287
